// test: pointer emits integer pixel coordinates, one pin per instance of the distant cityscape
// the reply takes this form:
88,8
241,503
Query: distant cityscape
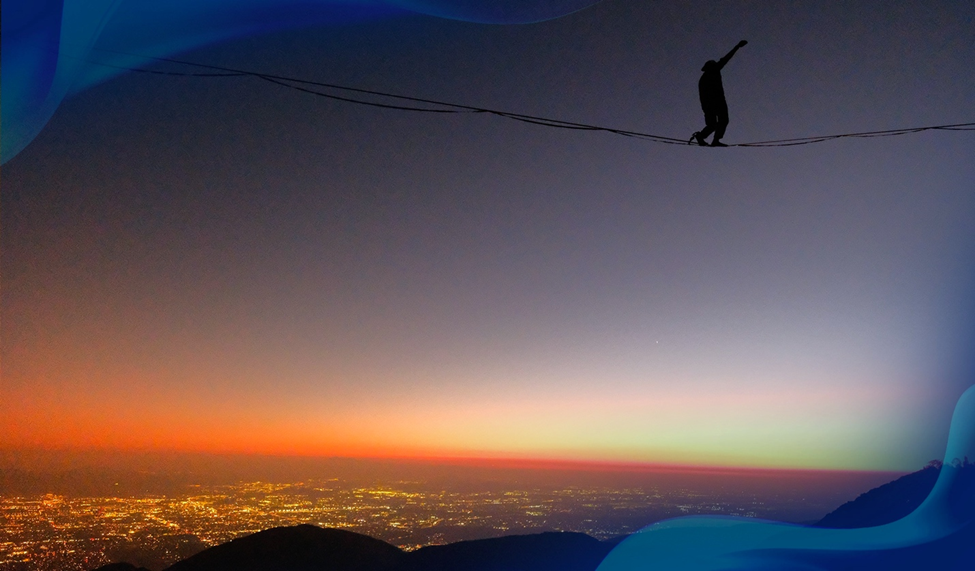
59,532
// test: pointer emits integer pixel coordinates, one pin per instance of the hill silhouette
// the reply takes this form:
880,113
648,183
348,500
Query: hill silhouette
312,548
298,548
552,551
121,567
893,500
886,503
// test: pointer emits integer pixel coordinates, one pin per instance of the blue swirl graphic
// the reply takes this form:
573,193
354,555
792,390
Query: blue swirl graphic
46,45
939,534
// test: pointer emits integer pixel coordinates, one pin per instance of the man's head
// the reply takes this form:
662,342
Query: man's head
711,65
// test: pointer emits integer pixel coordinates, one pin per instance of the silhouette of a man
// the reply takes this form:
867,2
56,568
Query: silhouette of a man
712,100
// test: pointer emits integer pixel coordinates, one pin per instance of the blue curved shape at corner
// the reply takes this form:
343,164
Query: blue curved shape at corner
939,534
47,44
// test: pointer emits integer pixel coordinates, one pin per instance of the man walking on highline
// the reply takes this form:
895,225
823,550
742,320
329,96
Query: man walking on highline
712,100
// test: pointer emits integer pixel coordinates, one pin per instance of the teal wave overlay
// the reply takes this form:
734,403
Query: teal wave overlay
49,46
939,534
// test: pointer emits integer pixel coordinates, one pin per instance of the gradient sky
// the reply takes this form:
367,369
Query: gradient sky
219,264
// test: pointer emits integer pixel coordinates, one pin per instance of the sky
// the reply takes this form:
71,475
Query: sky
224,265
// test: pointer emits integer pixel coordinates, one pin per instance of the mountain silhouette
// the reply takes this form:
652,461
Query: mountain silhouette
893,500
886,503
552,551
298,548
120,567
312,548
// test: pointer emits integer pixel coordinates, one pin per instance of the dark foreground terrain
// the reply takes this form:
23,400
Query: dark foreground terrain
308,548
312,548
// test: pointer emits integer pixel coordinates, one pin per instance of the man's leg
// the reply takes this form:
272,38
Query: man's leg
710,124
721,124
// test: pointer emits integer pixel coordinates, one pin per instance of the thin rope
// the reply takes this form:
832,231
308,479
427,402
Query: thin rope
289,82
446,107
371,104
158,72
861,135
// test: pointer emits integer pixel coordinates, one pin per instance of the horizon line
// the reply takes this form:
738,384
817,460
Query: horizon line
473,461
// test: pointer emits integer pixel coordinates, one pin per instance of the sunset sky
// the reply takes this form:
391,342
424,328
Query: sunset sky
224,265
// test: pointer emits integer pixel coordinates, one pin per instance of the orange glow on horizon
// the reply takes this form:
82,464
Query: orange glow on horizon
502,462
135,414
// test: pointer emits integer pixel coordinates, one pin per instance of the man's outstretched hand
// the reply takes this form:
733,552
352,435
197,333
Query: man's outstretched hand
728,56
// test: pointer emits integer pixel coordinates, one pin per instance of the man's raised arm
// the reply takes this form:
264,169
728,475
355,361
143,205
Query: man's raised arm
730,54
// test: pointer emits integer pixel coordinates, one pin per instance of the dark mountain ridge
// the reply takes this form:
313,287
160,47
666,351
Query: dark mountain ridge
555,551
894,500
885,503
312,548
297,548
